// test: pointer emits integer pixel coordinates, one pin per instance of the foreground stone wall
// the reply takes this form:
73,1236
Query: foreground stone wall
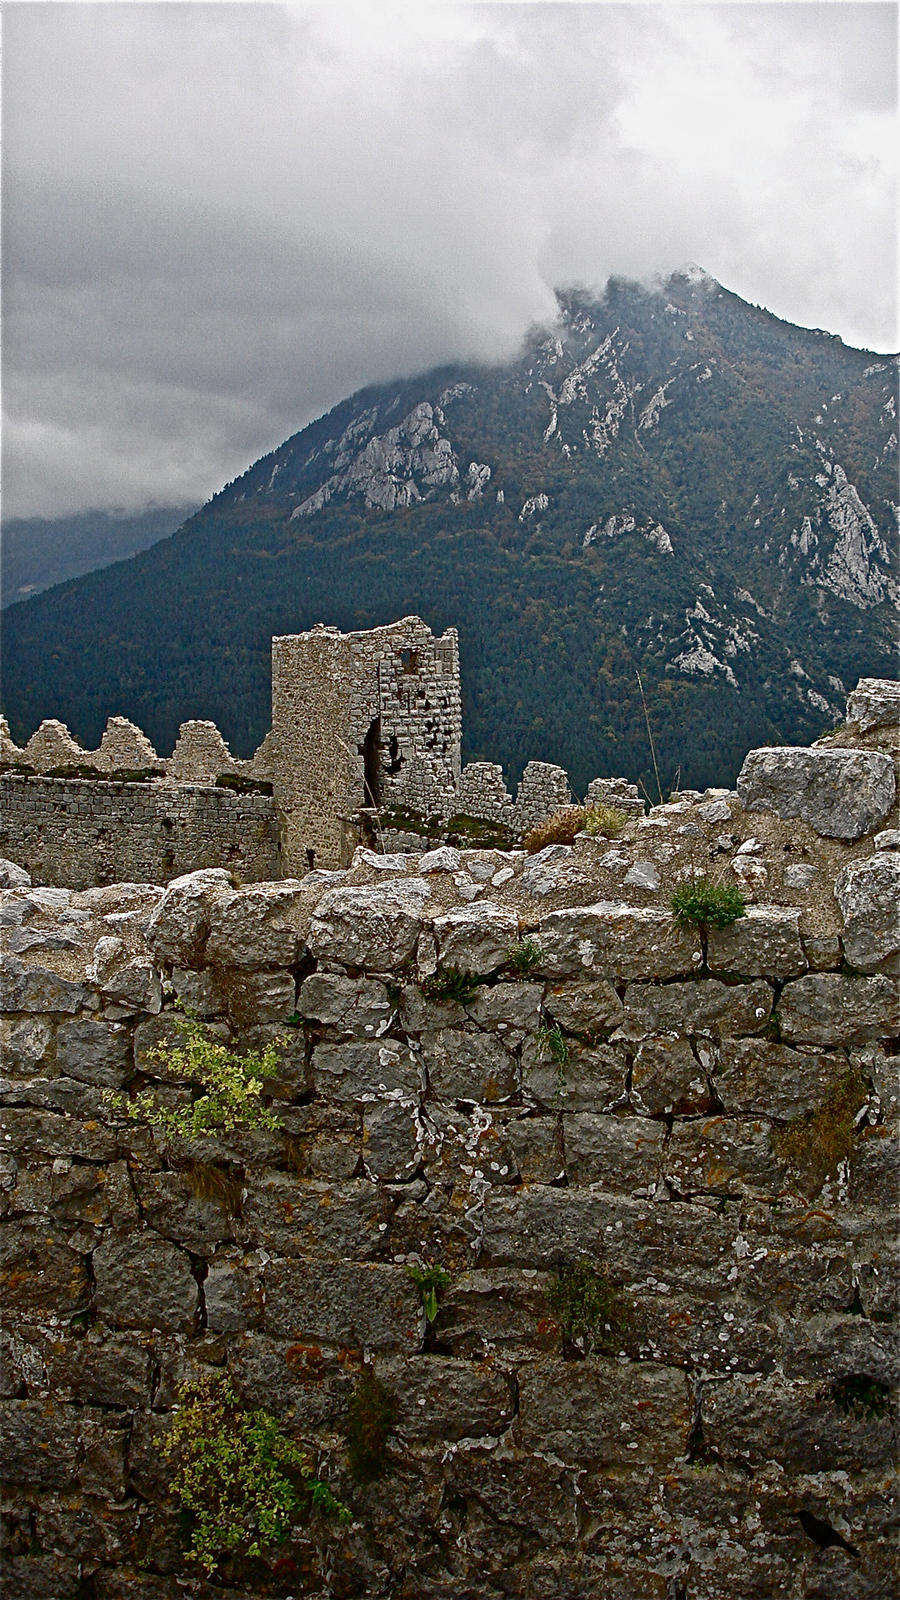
77,832
633,1098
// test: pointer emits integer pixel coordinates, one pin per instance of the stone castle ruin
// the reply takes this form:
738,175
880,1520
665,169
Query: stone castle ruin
360,721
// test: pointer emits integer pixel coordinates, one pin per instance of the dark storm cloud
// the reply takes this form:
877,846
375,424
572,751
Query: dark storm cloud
221,219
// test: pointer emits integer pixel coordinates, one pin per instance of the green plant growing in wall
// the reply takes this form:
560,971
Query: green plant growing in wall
449,983
229,1085
552,1046
523,956
861,1396
239,1481
429,1281
703,904
815,1144
371,1413
589,1310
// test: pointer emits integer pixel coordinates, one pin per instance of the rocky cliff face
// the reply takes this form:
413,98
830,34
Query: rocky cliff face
656,1162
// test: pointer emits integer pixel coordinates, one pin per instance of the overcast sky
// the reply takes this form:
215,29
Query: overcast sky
221,219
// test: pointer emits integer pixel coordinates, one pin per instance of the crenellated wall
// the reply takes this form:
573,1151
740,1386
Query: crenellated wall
709,1119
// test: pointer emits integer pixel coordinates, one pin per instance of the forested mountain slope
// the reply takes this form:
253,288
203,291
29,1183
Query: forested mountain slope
36,552
670,481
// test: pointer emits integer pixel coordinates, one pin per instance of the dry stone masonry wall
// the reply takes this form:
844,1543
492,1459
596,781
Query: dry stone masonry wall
519,1068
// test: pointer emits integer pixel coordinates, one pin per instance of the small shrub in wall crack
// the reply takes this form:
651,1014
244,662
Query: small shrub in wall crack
523,956
562,828
861,1396
451,984
704,905
429,1281
240,1482
227,1087
815,1144
552,1046
371,1413
589,1310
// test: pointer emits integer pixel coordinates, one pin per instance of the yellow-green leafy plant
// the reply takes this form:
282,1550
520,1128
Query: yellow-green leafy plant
226,1088
240,1482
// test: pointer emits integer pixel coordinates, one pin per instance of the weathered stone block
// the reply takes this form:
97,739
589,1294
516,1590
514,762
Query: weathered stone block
39,1443
258,997
323,1141
94,1052
136,986
193,1210
37,989
333,1221
506,1008
143,1281
618,1153
442,1399
365,1070
40,1276
704,1007
232,1293
604,1412
178,929
763,943
829,1009
44,1133
758,1078
616,941
466,1145
375,927
469,1066
874,703
256,927
24,1045
345,1303
480,1311
724,1155
868,893
391,1140
476,940
591,1079
842,794
73,1192
305,1386
99,1370
757,1420
588,1008
666,1078
358,1007
536,1147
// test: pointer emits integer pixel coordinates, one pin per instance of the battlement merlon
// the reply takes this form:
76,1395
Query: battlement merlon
354,715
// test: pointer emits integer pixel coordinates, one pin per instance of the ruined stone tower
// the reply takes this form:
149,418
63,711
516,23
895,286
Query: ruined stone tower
360,719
